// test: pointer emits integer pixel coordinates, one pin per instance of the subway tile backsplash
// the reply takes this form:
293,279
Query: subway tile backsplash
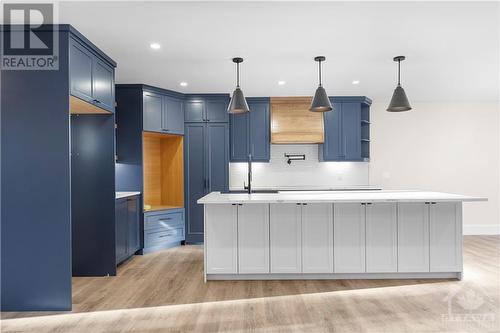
308,174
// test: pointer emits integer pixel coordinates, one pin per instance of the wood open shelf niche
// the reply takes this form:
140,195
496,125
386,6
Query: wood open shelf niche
163,171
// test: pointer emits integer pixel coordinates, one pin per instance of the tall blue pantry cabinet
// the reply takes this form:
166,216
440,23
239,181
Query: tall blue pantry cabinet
206,155
57,155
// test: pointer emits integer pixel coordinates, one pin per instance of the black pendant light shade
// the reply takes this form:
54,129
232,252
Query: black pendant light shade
399,101
320,102
238,102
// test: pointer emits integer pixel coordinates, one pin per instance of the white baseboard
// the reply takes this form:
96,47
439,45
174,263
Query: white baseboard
482,229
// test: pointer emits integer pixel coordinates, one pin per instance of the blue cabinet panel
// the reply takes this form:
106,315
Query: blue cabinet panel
249,132
127,226
194,110
103,85
217,156
206,162
216,110
195,179
333,146
259,130
346,130
351,131
81,71
121,217
239,128
152,112
134,227
173,115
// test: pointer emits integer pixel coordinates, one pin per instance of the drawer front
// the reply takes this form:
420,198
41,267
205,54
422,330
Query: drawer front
164,221
156,237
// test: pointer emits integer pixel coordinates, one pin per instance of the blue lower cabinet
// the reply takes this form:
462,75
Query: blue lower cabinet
128,228
163,229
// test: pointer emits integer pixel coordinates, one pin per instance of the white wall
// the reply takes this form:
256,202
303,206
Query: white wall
309,174
450,147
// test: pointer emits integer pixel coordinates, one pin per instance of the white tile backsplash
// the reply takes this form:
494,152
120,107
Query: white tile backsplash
310,173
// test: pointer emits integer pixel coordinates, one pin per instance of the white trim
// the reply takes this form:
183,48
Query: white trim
336,276
481,229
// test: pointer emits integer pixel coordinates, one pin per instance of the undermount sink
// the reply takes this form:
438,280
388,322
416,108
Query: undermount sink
245,191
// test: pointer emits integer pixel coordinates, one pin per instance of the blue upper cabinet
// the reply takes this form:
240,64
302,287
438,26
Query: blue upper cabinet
173,115
163,111
347,133
249,132
152,112
206,108
216,110
91,77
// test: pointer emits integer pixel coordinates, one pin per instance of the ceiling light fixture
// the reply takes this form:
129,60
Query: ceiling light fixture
320,102
238,102
281,83
155,46
399,101
183,84
355,82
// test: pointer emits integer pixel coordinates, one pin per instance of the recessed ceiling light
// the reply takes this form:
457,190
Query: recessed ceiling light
183,84
355,82
155,46
281,82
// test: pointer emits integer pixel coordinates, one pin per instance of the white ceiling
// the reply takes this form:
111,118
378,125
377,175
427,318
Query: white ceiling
452,49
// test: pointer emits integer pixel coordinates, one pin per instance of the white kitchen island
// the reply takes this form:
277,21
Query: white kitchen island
333,235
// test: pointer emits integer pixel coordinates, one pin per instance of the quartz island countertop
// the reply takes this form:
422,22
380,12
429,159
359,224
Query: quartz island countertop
335,196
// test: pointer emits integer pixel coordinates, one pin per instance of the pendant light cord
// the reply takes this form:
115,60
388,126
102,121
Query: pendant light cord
399,72
238,74
319,73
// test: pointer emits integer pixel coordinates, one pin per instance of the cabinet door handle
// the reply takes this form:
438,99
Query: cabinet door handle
344,152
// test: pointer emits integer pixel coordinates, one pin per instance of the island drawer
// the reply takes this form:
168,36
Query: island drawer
164,221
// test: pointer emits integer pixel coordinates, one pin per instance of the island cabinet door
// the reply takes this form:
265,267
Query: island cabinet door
253,238
285,234
381,237
221,239
317,238
413,237
445,237
349,238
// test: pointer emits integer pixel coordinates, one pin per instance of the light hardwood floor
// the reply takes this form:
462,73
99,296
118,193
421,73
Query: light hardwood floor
165,292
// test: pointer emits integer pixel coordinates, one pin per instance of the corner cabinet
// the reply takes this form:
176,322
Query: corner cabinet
91,77
347,130
249,132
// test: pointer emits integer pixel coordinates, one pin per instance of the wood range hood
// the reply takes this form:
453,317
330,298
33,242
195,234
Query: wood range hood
292,122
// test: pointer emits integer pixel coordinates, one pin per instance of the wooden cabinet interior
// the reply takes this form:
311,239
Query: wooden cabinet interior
79,106
163,171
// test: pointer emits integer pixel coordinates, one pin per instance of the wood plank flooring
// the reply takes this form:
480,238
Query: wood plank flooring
165,292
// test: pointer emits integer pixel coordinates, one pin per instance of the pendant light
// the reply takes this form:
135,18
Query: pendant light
399,101
320,102
238,102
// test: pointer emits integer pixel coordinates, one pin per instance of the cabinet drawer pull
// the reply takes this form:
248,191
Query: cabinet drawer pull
166,235
165,219
97,101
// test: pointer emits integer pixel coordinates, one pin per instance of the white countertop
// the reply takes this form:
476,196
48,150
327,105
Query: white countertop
334,196
120,195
